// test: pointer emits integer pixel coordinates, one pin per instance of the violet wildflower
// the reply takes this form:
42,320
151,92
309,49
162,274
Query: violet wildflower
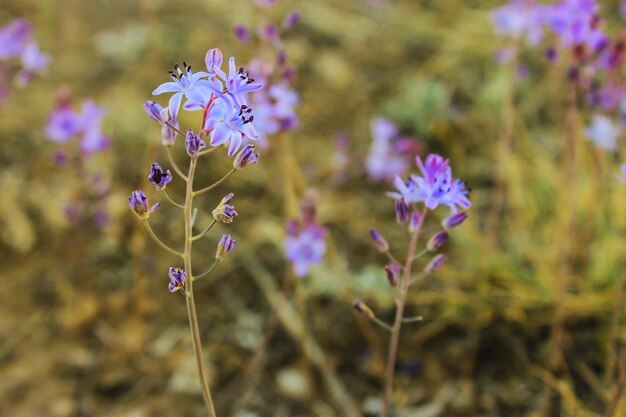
379,241
158,177
213,58
224,247
237,82
305,246
622,177
246,157
177,279
193,143
138,203
185,84
63,124
13,38
437,240
156,112
291,20
242,33
402,210
520,19
382,161
454,220
225,212
169,132
91,119
434,264
576,24
603,132
363,309
434,187
229,125
393,273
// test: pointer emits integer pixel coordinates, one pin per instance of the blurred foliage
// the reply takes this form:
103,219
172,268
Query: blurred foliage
88,327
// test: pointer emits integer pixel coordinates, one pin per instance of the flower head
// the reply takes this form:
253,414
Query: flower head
177,279
520,19
158,177
63,124
246,157
225,212
237,83
434,263
193,143
138,203
230,124
224,247
185,84
13,38
305,246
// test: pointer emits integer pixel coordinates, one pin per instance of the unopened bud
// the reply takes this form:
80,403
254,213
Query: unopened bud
437,240
224,247
393,271
379,241
435,263
454,220
415,221
363,309
402,210
246,157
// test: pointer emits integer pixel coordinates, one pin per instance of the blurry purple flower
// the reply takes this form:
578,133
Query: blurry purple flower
224,247
622,178
305,247
291,19
379,241
13,38
285,100
246,157
436,186
265,2
193,143
434,264
138,203
603,133
237,83
101,217
187,84
229,124
402,210
454,220
159,177
415,221
177,279
520,19
242,33
91,119
504,55
393,273
576,23
63,124
270,32
33,60
168,133
437,240
93,141
225,212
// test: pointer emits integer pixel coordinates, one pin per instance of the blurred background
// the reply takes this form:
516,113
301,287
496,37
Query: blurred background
88,328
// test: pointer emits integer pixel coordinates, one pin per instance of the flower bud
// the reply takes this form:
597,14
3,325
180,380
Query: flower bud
177,279
138,203
415,221
402,210
246,157
193,143
435,263
437,240
242,33
379,241
158,177
224,247
454,220
155,111
168,134
213,57
363,309
291,20
393,271
224,212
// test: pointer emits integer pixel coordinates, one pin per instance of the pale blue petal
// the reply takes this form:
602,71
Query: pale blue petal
169,87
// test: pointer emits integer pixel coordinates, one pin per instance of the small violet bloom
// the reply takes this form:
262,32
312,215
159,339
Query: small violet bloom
138,203
13,38
603,133
225,212
225,246
156,112
230,124
158,177
177,279
193,143
434,187
246,157
520,19
384,161
63,124
237,83
185,84
305,246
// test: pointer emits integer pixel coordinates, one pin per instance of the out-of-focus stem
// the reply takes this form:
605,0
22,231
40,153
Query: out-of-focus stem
191,306
397,323
218,182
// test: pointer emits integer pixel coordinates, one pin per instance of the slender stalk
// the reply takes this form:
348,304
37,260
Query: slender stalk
397,323
174,164
191,306
381,323
180,132
204,232
207,151
210,187
208,271
619,384
412,319
159,241
168,198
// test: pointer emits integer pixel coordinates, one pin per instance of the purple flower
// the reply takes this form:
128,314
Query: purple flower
225,246
138,203
156,112
291,19
33,60
230,124
415,221
213,58
437,240
434,264
242,33
225,212
622,178
193,143
402,210
187,84
305,246
379,241
13,38
520,19
434,187
454,220
237,83
91,119
246,157
393,273
158,177
63,124
385,161
576,23
177,279
603,133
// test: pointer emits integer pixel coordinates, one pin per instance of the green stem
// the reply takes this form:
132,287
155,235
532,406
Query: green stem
167,197
412,319
204,232
191,306
381,323
174,164
210,187
159,241
208,271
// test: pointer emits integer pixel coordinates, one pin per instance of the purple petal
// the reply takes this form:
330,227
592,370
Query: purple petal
220,134
175,104
169,87
235,143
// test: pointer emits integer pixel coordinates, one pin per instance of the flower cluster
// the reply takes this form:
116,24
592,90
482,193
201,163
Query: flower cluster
65,124
389,153
17,45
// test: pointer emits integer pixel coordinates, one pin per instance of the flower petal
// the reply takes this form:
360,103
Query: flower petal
235,143
220,134
169,87
174,104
